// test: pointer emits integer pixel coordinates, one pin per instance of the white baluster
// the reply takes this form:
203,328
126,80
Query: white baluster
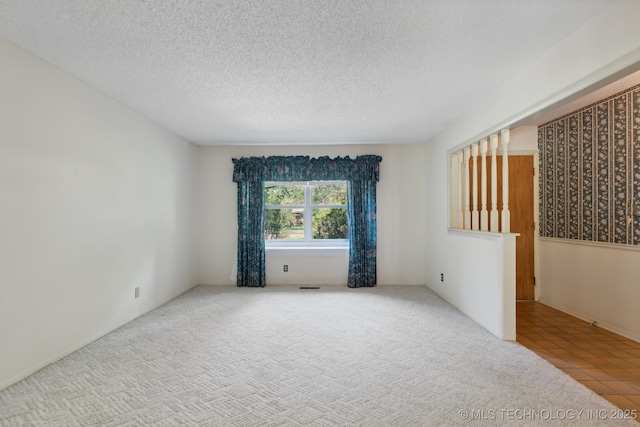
506,215
494,184
484,217
467,213
475,216
460,158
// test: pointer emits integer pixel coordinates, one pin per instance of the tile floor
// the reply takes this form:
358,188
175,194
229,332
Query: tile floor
607,363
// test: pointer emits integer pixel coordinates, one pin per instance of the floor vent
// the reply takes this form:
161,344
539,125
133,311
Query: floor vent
309,287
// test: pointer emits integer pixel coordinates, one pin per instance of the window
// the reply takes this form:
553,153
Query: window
252,173
307,212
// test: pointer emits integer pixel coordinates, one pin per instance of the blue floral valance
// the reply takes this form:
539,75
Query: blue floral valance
305,168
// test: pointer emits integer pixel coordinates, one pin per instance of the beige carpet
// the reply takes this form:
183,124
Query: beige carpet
281,356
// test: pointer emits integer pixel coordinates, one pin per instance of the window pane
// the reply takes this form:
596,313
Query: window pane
330,223
275,194
330,194
283,224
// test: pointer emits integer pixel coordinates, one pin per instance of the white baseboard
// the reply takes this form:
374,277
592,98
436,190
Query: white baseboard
623,332
19,377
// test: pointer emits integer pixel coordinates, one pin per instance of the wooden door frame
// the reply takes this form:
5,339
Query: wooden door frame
536,215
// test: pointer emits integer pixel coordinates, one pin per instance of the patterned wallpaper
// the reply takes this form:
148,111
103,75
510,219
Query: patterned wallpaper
590,172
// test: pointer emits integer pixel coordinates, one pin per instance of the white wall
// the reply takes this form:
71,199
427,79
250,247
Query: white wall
95,200
523,139
401,210
592,281
605,45
317,267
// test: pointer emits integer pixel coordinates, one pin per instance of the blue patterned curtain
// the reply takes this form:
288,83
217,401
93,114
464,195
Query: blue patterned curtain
361,211
362,174
251,255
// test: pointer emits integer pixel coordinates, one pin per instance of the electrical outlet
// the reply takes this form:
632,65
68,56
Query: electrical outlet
442,277
137,292
285,268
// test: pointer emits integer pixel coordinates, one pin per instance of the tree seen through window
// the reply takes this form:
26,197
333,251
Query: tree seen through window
306,211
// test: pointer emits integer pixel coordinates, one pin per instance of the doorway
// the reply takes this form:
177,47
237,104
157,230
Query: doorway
521,206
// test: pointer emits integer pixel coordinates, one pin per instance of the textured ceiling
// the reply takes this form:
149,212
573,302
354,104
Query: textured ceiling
294,71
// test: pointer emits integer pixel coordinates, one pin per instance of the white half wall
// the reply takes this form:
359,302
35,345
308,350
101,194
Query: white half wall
595,282
484,287
401,209
95,200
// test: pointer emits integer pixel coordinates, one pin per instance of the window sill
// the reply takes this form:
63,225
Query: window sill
307,250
